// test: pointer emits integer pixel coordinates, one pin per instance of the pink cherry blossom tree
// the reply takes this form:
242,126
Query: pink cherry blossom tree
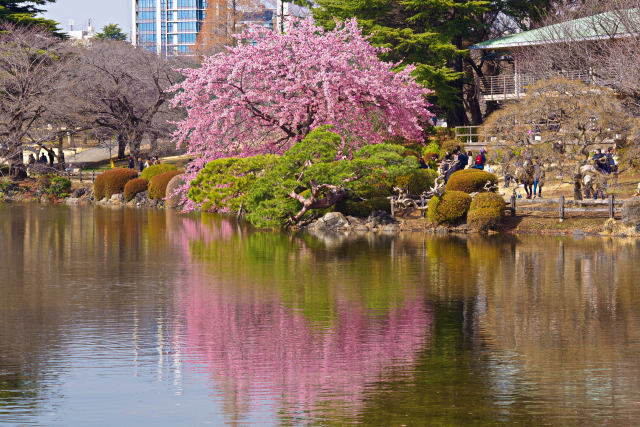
272,89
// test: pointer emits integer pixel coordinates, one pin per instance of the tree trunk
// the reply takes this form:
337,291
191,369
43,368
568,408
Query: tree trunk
60,155
134,144
153,150
122,145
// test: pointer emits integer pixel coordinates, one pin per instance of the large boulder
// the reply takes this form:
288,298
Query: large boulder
631,213
173,200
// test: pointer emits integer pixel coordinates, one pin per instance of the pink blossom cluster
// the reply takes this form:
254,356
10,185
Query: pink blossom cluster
272,89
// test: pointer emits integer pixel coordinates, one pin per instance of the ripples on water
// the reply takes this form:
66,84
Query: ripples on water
150,318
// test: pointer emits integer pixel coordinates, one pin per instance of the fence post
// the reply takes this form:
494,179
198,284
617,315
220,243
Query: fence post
612,211
393,208
513,205
93,176
561,208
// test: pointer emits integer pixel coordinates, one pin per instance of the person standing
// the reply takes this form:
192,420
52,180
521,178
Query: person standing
140,164
131,162
481,160
538,179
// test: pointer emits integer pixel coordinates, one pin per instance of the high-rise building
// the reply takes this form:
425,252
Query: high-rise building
168,27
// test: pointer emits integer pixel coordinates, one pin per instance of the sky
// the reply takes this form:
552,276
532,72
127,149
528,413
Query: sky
101,12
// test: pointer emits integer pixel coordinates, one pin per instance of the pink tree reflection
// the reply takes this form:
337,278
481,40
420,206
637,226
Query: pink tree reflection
255,347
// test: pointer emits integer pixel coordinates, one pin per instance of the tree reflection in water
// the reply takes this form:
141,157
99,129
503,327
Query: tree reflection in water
263,337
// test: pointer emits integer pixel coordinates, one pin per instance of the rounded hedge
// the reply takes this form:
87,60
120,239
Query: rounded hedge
470,180
486,211
155,170
134,187
158,184
484,219
112,182
488,200
451,208
364,208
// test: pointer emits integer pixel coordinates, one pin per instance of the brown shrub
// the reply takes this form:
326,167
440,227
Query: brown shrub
112,182
158,184
135,186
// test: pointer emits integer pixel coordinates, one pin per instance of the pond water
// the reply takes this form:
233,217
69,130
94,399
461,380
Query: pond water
132,317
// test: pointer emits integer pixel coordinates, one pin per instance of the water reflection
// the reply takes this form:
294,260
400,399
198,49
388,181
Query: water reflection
149,317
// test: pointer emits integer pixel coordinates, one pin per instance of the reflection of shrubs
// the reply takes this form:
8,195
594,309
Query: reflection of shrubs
451,208
364,208
112,182
135,186
470,180
154,170
158,184
486,211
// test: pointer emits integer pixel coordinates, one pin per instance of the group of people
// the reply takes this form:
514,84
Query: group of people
43,159
459,160
594,181
141,164
605,162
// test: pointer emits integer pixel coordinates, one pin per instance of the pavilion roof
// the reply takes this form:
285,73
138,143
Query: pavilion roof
597,27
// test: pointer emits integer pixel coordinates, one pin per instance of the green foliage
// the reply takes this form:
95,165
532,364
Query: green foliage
59,186
111,32
470,180
24,13
135,186
154,170
486,212
451,208
158,184
484,219
112,182
417,182
364,208
488,200
269,204
223,184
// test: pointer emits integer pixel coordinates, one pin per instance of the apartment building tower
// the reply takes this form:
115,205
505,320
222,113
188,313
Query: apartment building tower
168,27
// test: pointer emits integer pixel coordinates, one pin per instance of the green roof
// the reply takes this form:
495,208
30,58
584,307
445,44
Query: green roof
596,27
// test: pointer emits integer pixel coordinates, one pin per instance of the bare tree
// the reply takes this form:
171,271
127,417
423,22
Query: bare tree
559,122
32,64
593,40
125,89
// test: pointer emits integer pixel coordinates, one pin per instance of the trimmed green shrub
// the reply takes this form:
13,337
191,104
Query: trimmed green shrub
486,211
488,200
363,208
112,182
154,170
418,182
470,180
135,186
484,219
451,208
158,184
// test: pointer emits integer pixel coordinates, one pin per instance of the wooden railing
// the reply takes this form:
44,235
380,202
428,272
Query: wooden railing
560,207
